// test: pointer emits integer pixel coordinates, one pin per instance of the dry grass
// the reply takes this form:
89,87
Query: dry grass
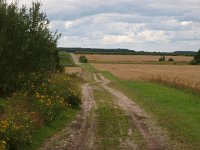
184,76
73,70
176,82
134,58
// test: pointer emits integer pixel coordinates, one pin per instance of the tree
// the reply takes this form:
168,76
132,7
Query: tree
83,59
196,59
162,58
170,59
27,46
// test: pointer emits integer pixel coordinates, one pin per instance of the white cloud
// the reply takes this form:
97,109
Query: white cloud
112,39
135,24
186,23
69,24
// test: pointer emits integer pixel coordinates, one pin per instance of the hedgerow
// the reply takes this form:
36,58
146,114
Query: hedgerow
27,46
32,111
32,92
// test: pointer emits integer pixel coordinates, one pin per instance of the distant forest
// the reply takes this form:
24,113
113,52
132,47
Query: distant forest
122,51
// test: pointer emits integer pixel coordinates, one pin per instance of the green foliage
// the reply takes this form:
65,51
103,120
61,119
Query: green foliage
2,106
26,45
54,95
170,59
196,59
176,110
66,59
16,130
24,113
162,58
83,59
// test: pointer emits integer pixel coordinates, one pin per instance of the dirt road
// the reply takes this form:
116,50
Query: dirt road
154,137
78,135
81,134
75,58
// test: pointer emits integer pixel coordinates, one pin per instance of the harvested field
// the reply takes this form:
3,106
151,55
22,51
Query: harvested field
71,70
137,71
134,58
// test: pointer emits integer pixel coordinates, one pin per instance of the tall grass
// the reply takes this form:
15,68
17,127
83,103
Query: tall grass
175,82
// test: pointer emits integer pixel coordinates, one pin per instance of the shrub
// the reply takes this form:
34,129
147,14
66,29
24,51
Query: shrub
54,96
2,106
193,62
15,131
162,58
170,59
26,45
36,109
2,145
196,59
83,59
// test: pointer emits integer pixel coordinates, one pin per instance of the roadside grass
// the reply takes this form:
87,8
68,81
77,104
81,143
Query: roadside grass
89,68
46,132
175,110
66,59
112,124
27,120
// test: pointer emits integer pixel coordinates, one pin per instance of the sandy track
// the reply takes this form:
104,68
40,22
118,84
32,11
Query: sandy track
154,137
79,135
75,58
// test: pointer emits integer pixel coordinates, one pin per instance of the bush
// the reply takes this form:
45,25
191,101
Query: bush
194,62
15,131
162,58
170,59
38,109
2,107
196,59
54,96
26,45
83,59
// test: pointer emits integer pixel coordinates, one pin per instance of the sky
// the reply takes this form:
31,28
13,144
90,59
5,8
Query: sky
141,25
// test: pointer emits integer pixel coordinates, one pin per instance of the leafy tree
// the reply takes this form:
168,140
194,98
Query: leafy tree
196,59
83,59
27,46
162,58
170,59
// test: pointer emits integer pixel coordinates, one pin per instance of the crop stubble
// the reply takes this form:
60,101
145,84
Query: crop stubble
133,58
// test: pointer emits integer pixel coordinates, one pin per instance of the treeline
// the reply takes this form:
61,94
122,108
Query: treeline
97,50
123,52
28,49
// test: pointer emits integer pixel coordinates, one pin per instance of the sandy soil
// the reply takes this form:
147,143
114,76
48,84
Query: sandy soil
75,58
80,135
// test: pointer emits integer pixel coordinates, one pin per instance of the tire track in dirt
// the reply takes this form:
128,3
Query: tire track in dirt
75,59
80,134
155,138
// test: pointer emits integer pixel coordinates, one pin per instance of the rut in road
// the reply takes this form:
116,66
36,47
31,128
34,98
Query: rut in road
155,138
79,136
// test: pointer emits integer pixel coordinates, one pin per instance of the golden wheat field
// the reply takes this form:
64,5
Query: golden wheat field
138,71
133,58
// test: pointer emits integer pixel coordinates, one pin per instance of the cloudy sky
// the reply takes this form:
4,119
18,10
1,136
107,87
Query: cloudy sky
150,25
